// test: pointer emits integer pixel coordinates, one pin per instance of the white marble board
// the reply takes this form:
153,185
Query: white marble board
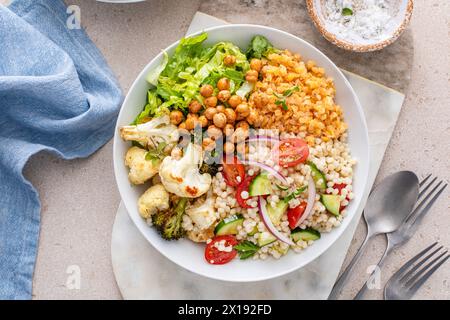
142,273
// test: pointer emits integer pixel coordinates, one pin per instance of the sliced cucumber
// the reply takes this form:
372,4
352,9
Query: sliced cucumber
260,186
276,213
332,203
253,232
305,235
229,225
265,238
318,176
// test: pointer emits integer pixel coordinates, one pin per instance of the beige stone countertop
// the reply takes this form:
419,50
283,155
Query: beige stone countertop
80,197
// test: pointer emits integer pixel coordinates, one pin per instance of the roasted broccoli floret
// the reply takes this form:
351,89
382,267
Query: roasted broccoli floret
212,169
210,162
168,223
159,218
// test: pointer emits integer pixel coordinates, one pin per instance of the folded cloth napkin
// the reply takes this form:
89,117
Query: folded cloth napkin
56,94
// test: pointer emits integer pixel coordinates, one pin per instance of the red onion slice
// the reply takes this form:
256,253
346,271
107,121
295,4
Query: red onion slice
262,138
269,225
310,203
269,169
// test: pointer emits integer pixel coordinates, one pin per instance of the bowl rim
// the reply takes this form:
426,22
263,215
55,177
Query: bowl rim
311,7
338,232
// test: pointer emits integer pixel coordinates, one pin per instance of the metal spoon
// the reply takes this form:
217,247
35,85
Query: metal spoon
389,204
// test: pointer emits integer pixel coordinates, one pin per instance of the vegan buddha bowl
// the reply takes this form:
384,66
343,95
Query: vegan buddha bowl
239,150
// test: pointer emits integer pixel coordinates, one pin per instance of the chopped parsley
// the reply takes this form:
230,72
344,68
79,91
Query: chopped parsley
282,98
295,194
155,155
246,249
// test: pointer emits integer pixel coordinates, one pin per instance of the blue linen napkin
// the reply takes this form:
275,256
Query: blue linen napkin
56,94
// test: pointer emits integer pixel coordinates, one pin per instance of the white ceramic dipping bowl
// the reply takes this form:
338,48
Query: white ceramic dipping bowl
401,16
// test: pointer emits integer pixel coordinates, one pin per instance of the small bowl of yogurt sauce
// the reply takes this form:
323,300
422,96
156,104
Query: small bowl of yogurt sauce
360,25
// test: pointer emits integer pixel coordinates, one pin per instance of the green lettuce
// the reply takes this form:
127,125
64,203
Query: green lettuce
153,76
152,108
178,80
260,47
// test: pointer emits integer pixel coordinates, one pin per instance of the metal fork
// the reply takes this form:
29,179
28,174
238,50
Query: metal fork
408,279
411,223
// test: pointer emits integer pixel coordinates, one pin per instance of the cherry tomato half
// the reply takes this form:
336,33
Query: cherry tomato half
291,152
295,214
232,169
214,256
243,186
340,186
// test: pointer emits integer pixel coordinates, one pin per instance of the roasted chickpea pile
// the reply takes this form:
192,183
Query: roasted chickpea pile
222,113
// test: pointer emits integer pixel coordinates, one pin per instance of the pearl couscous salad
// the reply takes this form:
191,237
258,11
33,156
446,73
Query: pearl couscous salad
243,152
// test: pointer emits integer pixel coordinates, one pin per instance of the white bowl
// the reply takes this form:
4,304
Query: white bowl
190,255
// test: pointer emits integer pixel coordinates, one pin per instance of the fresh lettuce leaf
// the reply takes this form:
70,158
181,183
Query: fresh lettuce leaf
186,54
260,47
245,89
151,109
153,76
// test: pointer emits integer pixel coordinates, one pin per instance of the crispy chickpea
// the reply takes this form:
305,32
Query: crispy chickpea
223,84
234,101
243,124
182,126
220,108
256,64
251,76
206,90
203,121
260,100
231,115
192,116
190,123
176,116
220,120
229,60
243,110
228,147
211,101
214,132
210,112
228,129
224,95
208,143
253,118
194,106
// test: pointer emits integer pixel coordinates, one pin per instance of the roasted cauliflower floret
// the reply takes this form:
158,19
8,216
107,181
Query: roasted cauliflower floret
182,176
201,235
141,169
152,133
204,215
155,199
